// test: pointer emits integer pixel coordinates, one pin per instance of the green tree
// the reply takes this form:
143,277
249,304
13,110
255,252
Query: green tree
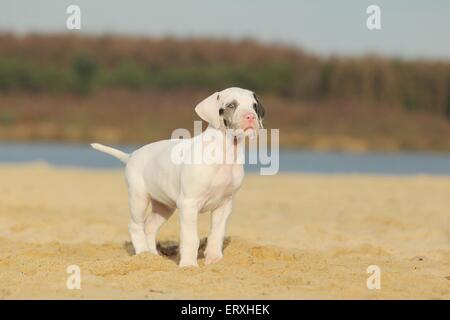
447,107
84,69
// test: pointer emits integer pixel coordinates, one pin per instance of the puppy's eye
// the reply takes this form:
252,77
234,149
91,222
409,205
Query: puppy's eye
231,105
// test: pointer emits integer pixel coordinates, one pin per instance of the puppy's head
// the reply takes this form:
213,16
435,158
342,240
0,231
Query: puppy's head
235,109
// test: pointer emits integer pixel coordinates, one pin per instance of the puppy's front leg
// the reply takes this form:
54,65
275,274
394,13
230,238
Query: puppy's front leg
219,218
188,235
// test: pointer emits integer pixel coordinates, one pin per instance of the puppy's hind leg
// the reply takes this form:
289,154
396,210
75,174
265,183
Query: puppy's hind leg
160,214
138,203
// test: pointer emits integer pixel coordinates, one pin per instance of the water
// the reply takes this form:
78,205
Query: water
81,155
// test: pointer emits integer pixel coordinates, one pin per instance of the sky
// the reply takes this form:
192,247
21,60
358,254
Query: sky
409,28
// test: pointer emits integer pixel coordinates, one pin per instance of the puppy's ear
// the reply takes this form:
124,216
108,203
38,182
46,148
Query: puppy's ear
259,109
208,110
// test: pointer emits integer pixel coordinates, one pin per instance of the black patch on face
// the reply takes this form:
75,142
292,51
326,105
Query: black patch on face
227,113
221,112
259,109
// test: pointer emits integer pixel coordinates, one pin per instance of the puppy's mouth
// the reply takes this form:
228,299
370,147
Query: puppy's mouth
250,131
246,131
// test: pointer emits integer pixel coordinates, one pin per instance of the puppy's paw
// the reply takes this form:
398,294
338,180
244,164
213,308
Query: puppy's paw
186,264
154,251
140,250
212,258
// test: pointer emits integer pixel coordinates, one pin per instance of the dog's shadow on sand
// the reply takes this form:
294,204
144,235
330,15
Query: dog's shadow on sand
170,249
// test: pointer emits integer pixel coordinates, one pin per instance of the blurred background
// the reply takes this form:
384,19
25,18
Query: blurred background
345,98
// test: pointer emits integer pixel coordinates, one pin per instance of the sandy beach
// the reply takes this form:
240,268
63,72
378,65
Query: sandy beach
290,237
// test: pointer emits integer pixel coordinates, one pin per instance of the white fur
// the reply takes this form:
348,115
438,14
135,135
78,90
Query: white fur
208,110
153,177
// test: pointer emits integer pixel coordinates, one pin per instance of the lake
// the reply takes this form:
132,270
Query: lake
403,163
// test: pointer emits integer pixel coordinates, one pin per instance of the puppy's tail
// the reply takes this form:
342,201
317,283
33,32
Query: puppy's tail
122,156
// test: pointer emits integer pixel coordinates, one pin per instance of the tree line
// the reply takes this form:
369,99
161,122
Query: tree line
60,63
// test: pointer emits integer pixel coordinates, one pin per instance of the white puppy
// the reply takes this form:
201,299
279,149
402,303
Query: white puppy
154,175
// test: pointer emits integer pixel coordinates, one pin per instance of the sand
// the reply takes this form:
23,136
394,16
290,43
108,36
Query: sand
290,237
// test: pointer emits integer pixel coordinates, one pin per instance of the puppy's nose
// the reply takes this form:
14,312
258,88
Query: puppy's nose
250,117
